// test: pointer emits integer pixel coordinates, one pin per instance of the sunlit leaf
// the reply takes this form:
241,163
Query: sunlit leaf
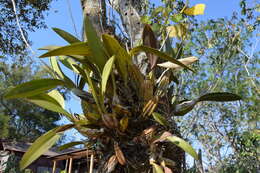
46,97
50,47
122,57
177,18
157,168
70,144
160,119
58,97
66,36
41,145
195,10
73,49
185,61
59,73
178,30
51,106
68,62
184,145
95,44
220,97
106,73
33,87
123,123
158,53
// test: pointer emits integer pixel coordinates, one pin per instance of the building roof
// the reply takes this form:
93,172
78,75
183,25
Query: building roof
75,153
52,154
22,147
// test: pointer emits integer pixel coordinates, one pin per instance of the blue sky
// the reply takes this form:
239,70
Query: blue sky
59,16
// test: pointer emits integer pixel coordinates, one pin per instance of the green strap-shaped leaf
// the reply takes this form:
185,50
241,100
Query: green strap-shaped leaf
91,85
95,44
59,72
160,119
73,49
68,62
41,145
66,36
70,144
106,72
32,88
122,57
51,106
157,168
220,97
55,94
45,97
184,145
159,54
50,47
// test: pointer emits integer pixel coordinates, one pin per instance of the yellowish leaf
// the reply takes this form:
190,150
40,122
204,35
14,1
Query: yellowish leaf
58,97
123,123
178,30
106,73
157,168
195,10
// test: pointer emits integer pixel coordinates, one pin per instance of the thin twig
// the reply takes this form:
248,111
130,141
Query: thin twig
91,163
164,41
247,71
24,39
20,28
72,18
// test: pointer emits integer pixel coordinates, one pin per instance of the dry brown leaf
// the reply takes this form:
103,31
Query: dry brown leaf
167,170
186,61
111,164
150,106
163,137
147,90
150,40
110,120
119,154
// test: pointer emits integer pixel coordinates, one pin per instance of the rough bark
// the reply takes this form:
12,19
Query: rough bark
130,12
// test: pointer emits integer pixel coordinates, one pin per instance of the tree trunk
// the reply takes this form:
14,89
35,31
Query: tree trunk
137,155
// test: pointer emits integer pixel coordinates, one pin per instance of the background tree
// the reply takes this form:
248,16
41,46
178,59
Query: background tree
31,14
24,121
228,51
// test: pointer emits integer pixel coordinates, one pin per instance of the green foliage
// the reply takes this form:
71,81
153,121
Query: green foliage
4,126
222,46
41,145
31,16
26,121
12,165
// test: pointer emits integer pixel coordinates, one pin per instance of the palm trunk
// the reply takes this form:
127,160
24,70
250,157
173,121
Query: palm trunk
137,155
